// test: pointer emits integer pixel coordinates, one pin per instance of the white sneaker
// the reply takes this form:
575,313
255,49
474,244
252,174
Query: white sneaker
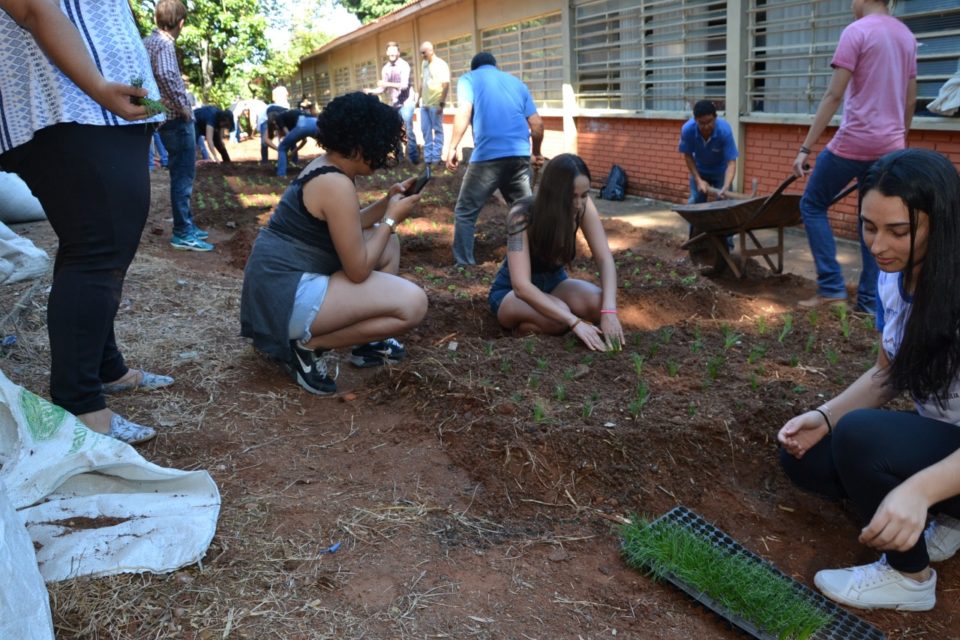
877,586
943,537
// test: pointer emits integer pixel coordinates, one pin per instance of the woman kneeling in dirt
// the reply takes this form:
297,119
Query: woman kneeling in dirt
896,467
322,274
532,292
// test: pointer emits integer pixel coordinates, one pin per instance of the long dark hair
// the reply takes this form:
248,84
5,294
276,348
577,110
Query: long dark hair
928,360
549,217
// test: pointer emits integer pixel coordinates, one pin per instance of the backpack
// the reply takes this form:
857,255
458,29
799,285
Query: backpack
615,188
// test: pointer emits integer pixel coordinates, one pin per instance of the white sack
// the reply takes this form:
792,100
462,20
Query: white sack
17,202
92,505
20,259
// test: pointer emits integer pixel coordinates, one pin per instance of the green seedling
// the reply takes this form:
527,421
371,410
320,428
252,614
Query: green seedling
761,325
539,412
832,356
874,349
787,328
754,383
587,410
488,349
560,393
756,353
640,398
529,345
730,338
672,368
615,345
636,339
533,382
587,359
568,374
794,360
869,323
153,106
570,342
799,389
542,364
625,284
808,345
715,366
666,334
697,345
688,281
638,361
505,365
653,351
516,397
750,590
813,318
692,409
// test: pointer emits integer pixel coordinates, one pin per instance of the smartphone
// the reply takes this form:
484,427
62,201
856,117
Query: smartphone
419,184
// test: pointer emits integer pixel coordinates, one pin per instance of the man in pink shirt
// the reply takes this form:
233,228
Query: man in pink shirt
875,74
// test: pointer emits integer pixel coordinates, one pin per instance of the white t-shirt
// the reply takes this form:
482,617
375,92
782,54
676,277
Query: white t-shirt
34,94
892,314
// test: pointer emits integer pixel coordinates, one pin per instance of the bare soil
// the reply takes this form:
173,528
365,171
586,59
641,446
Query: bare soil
474,488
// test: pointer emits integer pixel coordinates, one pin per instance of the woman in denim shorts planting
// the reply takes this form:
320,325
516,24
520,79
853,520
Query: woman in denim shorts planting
532,292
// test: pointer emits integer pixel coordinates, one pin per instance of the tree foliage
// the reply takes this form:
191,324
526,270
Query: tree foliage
370,10
223,46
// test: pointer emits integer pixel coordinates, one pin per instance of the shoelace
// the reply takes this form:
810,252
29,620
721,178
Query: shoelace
869,574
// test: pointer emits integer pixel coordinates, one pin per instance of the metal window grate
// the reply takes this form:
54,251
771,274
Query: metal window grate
457,53
792,42
323,87
365,75
656,55
531,50
341,81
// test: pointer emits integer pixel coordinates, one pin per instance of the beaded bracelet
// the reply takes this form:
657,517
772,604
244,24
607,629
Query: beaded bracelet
613,311
805,150
573,326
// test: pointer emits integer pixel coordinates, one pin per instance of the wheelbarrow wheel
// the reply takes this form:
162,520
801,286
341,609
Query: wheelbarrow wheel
705,256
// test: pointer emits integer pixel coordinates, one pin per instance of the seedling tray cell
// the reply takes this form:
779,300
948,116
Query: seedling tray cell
842,626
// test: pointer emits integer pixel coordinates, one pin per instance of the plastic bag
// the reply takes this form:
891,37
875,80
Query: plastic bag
615,188
20,259
17,202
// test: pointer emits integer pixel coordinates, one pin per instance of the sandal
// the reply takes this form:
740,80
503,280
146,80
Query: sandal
146,381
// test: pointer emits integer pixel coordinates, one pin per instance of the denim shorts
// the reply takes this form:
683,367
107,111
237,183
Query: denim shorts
306,304
546,281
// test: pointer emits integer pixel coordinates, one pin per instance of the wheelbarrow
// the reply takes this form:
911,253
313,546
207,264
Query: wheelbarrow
712,222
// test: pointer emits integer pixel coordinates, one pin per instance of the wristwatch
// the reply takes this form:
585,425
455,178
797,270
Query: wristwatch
390,222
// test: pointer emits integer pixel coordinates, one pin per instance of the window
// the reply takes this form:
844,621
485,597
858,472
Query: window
366,76
936,24
323,87
457,53
650,55
307,89
341,81
792,43
531,50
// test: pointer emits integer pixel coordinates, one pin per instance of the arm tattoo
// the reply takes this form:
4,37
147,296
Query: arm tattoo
515,241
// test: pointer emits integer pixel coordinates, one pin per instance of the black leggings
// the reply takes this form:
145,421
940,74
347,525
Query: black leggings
869,454
95,190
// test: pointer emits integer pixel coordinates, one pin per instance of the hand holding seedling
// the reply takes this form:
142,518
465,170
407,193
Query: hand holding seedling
899,520
612,331
801,433
122,100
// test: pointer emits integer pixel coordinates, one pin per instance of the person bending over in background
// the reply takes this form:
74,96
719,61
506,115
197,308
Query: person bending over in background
211,124
78,142
532,292
897,467
709,151
322,273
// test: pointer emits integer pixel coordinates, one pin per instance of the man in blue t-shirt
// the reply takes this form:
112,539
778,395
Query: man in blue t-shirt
505,121
710,151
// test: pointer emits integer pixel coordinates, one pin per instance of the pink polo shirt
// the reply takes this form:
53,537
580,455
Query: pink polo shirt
881,53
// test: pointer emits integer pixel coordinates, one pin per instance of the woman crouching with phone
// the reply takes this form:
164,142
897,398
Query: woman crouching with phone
532,292
323,273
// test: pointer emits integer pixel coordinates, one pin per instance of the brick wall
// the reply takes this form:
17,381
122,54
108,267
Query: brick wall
647,150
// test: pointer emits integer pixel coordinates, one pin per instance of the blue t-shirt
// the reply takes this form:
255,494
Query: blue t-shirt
501,106
711,156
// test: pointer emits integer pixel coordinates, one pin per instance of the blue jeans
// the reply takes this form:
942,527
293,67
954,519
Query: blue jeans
202,145
830,175
263,142
431,126
306,126
156,146
413,153
177,136
510,175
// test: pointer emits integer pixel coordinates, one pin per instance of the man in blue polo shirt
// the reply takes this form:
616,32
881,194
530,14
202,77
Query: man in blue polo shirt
505,125
710,152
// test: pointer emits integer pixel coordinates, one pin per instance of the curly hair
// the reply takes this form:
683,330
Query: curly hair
359,124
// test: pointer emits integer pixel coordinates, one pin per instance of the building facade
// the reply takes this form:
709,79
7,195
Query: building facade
615,79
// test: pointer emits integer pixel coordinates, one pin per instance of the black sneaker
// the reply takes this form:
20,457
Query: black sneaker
311,369
375,354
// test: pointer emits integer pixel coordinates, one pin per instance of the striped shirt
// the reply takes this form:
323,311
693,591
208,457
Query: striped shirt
163,59
35,94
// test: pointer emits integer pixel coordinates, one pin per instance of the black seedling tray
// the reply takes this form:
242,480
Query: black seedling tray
843,626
